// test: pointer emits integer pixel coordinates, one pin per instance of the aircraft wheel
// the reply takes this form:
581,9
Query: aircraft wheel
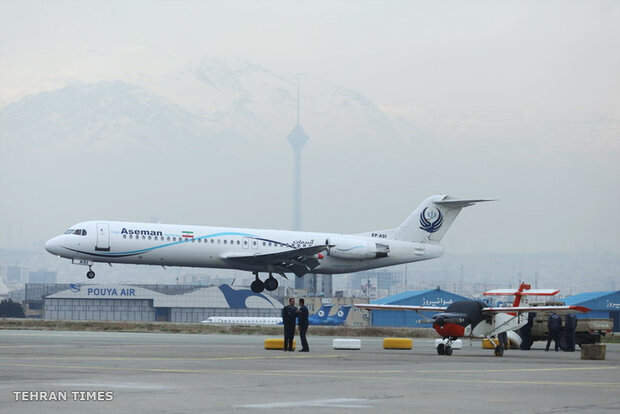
271,283
257,286
448,350
90,274
499,350
441,349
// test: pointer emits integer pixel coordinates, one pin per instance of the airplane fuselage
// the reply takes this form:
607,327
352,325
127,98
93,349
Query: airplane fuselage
216,247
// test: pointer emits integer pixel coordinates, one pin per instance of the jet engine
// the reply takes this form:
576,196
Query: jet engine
344,248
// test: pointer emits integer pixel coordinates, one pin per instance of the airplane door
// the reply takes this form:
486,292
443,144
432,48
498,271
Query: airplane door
103,237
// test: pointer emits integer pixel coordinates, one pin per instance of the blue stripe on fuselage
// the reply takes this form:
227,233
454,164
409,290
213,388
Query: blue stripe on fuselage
209,236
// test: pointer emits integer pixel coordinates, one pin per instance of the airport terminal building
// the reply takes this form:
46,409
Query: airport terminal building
166,303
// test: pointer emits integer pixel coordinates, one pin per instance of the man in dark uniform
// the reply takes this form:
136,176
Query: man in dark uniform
302,318
554,325
569,331
289,314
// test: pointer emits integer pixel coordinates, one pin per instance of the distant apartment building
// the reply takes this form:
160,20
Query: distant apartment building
42,276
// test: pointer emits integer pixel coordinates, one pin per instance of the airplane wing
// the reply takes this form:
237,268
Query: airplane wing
298,261
520,309
373,306
528,292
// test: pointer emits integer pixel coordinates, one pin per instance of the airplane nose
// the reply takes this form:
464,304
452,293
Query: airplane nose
52,245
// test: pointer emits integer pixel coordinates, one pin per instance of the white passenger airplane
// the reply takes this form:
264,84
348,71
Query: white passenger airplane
318,318
270,251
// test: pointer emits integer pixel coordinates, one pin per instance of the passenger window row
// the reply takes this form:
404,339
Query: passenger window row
193,240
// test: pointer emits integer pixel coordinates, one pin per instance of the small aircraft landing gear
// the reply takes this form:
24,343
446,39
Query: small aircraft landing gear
445,348
90,274
441,349
499,350
257,286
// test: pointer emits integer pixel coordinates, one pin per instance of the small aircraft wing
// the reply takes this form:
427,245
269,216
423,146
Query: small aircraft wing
528,292
520,309
373,306
298,261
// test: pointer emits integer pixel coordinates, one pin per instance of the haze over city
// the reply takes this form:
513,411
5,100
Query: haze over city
179,112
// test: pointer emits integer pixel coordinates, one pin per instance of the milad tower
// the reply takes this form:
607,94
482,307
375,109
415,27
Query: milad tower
298,138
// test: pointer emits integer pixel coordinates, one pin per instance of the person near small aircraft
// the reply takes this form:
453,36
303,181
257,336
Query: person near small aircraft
554,325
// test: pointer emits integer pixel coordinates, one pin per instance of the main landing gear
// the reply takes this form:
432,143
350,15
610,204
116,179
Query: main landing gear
90,274
269,284
446,349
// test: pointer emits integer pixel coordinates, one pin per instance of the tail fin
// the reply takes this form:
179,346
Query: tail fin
431,220
341,316
322,313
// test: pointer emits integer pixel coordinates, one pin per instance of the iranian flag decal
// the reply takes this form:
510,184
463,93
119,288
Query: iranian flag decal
188,234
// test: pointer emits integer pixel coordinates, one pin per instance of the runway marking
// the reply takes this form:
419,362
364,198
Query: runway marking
206,370
458,371
333,403
335,374
100,358
81,346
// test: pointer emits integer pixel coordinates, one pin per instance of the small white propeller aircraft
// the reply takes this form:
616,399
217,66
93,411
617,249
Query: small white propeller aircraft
269,251
474,319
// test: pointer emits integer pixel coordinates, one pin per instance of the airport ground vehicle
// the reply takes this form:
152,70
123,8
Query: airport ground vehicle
589,330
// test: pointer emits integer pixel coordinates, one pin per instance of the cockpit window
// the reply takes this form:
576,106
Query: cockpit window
69,231
79,232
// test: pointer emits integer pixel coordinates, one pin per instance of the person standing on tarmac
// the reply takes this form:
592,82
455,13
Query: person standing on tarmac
289,314
554,324
302,318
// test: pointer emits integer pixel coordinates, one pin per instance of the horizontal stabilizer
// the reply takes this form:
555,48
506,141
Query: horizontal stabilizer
458,203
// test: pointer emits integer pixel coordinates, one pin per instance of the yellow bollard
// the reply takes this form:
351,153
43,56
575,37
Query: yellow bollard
397,343
276,343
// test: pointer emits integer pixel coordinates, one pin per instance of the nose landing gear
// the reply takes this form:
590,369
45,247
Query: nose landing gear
445,349
90,274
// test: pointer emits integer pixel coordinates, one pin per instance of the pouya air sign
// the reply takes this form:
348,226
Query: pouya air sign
111,292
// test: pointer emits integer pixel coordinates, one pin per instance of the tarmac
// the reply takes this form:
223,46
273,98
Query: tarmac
111,372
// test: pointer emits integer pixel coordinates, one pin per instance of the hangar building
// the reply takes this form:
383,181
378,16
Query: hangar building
602,305
169,303
430,297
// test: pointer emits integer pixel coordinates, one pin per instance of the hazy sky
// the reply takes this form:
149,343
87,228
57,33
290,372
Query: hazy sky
530,91
551,56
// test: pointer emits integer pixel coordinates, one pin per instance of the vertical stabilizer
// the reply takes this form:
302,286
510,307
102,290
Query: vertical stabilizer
432,219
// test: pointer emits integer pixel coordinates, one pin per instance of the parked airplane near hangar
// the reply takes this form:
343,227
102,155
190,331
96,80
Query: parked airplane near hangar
318,318
269,251
476,320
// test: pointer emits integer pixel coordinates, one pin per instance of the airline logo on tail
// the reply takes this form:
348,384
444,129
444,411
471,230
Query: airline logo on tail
340,317
425,220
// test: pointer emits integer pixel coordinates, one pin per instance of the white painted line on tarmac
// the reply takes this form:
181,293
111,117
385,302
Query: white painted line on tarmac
333,403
